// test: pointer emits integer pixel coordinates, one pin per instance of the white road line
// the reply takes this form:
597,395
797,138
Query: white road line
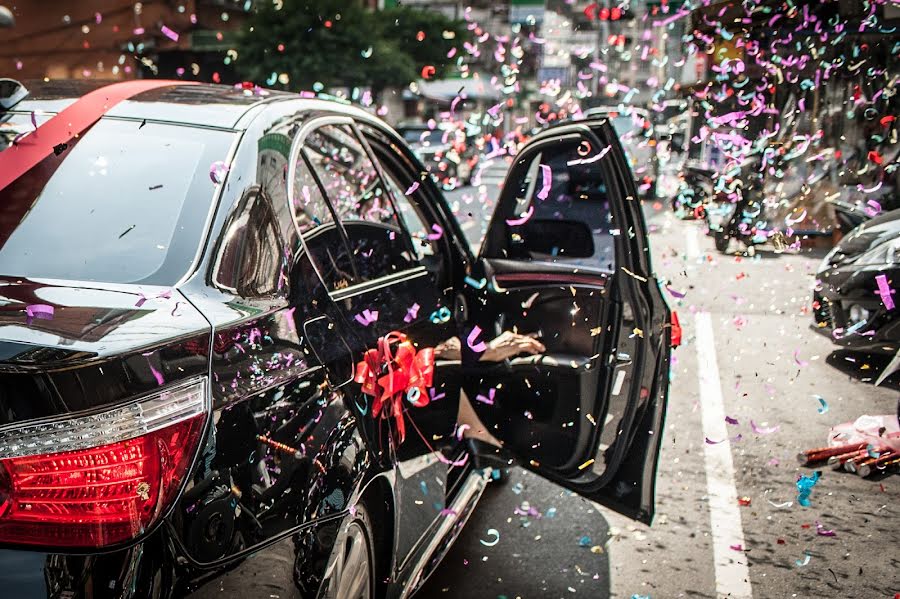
692,244
732,575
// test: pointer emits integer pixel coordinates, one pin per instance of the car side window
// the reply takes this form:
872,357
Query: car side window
321,235
415,224
561,211
379,244
248,260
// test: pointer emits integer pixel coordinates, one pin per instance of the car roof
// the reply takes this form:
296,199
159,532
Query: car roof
203,105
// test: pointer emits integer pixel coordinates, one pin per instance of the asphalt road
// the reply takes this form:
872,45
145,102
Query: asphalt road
748,354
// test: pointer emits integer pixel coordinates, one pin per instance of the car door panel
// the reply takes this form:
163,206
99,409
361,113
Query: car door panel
393,290
578,278
283,451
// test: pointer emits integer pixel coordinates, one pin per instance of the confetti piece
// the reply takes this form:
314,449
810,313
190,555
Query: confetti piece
522,219
437,234
487,399
143,298
761,430
39,311
217,171
805,485
732,421
412,188
804,561
411,313
711,442
492,532
786,504
441,315
584,541
674,293
823,405
634,276
157,375
547,181
823,532
884,291
169,33
474,345
366,317
479,284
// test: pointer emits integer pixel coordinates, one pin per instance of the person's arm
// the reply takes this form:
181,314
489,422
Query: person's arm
506,345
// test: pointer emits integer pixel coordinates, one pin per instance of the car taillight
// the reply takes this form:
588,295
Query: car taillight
675,338
96,480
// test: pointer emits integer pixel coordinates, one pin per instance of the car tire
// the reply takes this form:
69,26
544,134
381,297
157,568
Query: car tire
356,559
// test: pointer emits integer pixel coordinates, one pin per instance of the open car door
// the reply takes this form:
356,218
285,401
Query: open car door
566,259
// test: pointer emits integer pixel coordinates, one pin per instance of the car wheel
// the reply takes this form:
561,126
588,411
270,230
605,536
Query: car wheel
356,574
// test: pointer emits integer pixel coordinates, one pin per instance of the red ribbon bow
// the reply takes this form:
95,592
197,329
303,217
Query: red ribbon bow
394,372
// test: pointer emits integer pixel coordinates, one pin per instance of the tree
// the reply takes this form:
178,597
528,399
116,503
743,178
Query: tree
340,44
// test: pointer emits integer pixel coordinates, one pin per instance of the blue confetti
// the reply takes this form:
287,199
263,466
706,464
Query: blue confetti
805,485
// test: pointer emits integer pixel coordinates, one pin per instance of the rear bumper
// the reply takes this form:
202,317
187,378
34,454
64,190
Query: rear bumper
139,571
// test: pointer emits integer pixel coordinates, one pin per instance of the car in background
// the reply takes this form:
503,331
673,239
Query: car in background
447,152
634,126
191,277
848,302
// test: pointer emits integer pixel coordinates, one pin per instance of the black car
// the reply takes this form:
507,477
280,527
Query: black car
849,301
189,282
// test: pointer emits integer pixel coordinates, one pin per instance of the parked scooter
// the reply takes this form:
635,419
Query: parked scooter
739,212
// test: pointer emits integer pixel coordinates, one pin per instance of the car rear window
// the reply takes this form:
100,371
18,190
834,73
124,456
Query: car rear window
127,202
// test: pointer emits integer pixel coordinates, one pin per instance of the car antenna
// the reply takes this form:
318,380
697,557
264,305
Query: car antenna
11,93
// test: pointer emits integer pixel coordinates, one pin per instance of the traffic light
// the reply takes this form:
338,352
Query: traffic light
595,12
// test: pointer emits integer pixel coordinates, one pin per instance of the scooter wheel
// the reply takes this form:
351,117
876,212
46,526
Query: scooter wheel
722,241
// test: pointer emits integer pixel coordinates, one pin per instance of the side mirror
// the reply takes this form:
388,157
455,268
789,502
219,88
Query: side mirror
7,20
11,91
563,238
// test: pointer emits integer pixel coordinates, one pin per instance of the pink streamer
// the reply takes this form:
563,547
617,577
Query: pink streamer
39,311
885,291
523,219
547,177
474,345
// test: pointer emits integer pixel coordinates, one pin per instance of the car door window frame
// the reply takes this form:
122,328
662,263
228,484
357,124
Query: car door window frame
400,170
631,267
296,155
410,246
297,150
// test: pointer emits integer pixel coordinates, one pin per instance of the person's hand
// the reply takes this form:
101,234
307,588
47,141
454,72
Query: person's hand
448,350
509,344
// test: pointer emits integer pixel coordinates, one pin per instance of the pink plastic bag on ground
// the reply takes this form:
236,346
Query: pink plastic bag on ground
880,431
